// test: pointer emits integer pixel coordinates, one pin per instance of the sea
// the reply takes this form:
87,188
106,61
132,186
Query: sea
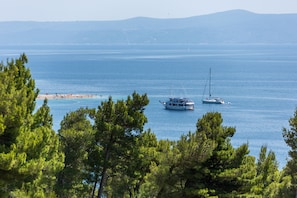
257,81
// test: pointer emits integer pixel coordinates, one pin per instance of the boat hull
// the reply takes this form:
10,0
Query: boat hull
213,101
179,104
180,108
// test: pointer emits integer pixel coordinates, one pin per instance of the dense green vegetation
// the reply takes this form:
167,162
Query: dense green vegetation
105,152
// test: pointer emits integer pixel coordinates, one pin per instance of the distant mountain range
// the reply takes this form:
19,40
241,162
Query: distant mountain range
236,26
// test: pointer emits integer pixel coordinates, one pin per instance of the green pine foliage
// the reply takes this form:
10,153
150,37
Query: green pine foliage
117,128
76,136
290,137
201,164
105,152
29,148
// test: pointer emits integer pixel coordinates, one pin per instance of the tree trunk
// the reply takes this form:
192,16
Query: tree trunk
94,188
103,174
102,182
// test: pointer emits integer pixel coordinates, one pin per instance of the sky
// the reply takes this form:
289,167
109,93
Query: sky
102,10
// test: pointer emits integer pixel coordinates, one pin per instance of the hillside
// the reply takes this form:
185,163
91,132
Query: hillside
236,26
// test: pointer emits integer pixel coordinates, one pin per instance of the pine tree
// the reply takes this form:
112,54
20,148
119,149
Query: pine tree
290,137
202,164
269,181
29,148
227,171
76,136
117,127
127,181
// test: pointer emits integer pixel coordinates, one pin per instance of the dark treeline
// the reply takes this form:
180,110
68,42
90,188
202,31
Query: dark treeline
105,152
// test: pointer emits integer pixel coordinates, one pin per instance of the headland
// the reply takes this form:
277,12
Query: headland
65,96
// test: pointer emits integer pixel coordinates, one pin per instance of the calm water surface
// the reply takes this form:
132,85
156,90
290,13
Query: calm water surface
258,82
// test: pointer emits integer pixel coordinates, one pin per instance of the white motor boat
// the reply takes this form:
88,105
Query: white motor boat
179,104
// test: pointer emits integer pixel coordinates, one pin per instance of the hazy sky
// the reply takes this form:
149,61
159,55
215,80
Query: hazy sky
81,10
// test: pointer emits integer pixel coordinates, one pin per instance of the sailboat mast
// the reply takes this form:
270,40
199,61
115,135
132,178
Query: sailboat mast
209,87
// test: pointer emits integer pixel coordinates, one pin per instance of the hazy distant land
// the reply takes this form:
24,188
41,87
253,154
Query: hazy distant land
236,26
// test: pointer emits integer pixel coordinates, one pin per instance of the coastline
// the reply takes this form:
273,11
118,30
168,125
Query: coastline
64,96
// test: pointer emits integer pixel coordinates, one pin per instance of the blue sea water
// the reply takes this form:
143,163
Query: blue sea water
258,82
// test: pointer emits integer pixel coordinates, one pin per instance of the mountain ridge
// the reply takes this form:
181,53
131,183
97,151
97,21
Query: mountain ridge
235,26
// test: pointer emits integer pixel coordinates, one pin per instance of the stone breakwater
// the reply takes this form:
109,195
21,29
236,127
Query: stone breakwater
64,96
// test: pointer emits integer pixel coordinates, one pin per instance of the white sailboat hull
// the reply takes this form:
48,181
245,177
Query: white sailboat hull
213,101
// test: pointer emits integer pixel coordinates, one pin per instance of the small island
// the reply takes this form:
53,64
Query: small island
65,96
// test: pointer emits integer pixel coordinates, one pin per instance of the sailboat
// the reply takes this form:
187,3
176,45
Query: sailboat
210,99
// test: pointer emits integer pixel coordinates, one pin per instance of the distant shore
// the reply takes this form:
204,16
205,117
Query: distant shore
65,96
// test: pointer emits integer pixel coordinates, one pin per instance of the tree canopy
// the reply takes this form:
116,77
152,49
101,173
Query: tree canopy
105,152
290,137
29,147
